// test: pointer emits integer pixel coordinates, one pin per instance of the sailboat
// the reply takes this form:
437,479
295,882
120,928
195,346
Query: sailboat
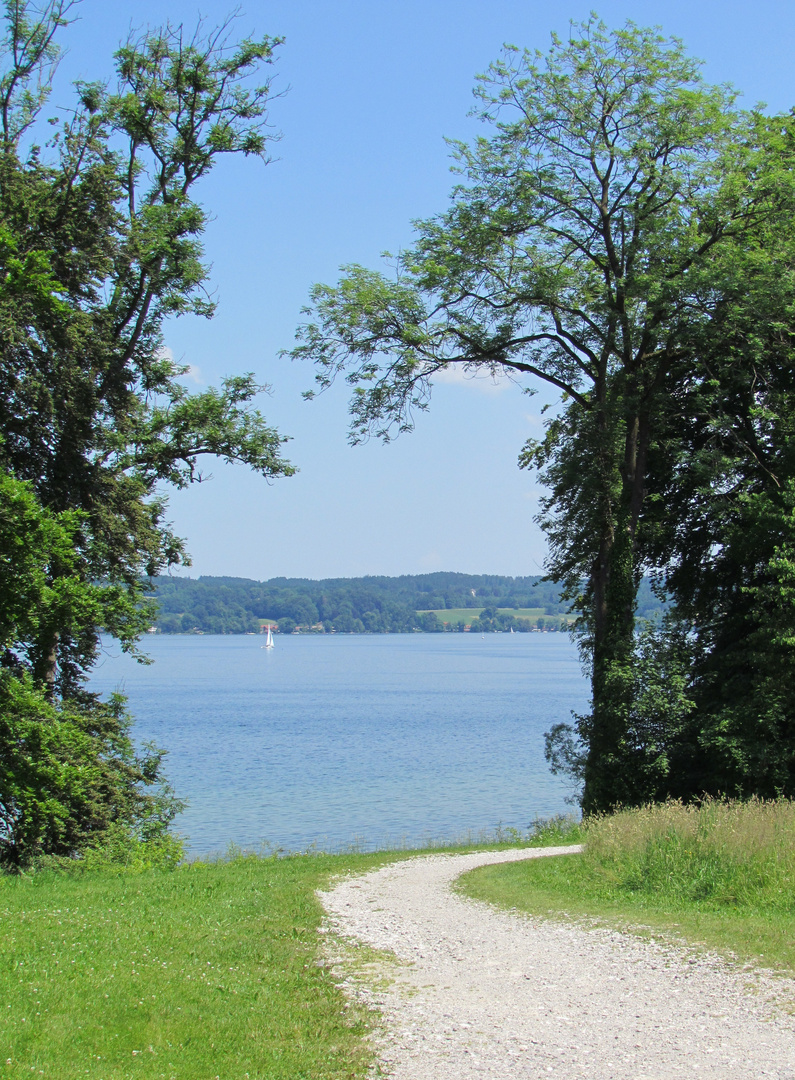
268,640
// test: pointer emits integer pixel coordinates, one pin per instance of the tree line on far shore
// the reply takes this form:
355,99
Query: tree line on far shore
365,605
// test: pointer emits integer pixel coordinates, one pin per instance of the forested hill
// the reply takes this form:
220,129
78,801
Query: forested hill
427,602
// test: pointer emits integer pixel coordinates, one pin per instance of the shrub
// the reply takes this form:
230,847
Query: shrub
71,781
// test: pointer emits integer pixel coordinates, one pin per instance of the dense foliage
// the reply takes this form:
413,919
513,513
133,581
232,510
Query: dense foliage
100,243
623,233
69,773
376,605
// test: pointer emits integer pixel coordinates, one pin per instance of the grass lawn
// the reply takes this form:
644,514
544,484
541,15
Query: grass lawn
207,971
722,876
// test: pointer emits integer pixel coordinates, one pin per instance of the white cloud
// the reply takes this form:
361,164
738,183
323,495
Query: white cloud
484,382
192,372
536,424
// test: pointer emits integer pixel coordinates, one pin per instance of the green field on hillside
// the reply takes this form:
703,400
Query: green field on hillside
466,615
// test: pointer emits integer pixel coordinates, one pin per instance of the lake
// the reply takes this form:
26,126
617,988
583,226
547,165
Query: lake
338,739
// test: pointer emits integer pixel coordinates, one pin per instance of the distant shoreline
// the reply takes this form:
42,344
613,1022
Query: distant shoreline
423,603
157,632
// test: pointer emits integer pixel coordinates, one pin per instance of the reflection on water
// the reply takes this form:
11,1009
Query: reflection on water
331,739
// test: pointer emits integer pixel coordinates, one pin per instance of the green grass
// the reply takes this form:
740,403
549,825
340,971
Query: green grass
210,970
721,875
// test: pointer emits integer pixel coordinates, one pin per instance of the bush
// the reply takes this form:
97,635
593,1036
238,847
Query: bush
71,781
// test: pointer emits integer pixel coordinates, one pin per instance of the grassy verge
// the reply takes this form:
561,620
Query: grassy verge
210,971
720,875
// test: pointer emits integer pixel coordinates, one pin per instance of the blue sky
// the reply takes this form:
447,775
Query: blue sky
372,87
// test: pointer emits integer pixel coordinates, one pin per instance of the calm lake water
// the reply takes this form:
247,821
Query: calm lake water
332,740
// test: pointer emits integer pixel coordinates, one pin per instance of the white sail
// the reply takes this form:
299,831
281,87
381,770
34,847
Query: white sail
269,639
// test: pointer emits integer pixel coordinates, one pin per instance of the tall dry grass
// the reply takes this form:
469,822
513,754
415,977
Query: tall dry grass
718,853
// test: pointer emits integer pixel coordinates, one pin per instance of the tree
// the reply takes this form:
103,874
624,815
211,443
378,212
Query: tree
577,250
71,779
43,583
100,244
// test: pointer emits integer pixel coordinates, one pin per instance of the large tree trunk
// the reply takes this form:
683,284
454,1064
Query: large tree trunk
609,779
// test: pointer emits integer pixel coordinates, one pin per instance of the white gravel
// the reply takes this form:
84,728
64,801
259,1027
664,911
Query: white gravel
481,993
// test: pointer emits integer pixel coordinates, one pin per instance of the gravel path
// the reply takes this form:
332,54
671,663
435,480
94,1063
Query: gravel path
483,993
